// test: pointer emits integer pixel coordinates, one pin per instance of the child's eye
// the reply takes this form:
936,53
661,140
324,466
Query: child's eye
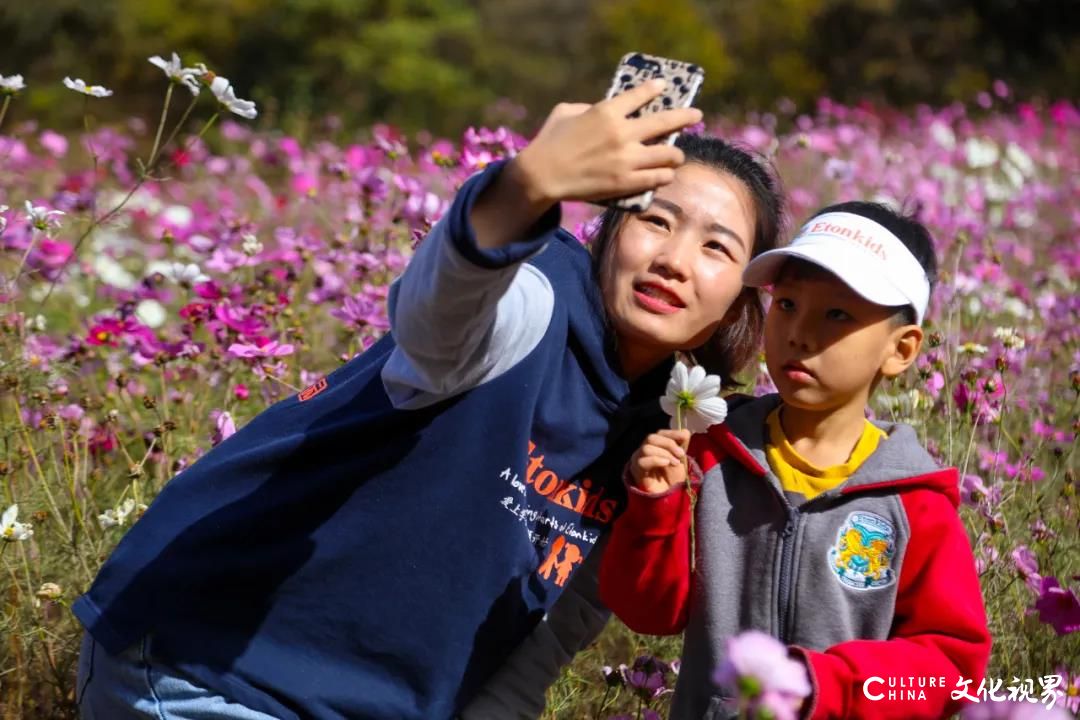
785,304
838,314
657,221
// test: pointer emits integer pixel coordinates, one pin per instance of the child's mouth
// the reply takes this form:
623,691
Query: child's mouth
798,372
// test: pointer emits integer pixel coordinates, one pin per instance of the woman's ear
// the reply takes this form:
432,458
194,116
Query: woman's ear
904,345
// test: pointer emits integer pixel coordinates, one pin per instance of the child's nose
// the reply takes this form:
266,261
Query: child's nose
800,335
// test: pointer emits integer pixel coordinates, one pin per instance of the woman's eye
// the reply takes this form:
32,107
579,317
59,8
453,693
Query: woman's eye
784,303
838,314
716,245
657,221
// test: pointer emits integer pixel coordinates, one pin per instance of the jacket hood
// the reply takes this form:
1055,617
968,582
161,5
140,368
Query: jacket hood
900,462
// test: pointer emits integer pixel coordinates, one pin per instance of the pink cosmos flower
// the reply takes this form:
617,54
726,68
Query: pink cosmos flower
757,665
54,142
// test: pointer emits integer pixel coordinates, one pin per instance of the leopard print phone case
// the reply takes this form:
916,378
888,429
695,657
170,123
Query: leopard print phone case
683,82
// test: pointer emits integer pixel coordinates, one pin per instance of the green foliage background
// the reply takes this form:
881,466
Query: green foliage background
443,64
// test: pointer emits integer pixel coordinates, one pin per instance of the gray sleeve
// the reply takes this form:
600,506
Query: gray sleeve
457,325
517,690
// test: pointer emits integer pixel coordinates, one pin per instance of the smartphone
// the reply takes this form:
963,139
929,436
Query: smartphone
683,82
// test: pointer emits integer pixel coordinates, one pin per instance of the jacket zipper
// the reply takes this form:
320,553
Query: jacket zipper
787,569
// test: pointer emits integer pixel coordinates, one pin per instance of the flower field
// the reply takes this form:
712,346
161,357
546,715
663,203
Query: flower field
159,288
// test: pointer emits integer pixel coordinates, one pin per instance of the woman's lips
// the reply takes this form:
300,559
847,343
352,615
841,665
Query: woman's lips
657,299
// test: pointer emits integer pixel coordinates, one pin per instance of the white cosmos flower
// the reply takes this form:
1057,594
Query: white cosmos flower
981,152
188,77
251,246
185,274
12,531
694,398
119,515
151,313
42,218
11,84
93,90
223,91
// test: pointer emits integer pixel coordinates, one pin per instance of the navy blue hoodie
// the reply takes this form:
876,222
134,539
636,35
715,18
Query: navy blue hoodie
375,546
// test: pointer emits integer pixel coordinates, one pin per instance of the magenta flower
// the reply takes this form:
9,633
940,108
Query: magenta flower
1058,606
1040,531
242,320
647,678
224,426
267,349
1028,565
111,331
1070,689
359,310
972,490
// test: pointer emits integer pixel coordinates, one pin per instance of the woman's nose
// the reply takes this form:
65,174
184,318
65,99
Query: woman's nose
674,259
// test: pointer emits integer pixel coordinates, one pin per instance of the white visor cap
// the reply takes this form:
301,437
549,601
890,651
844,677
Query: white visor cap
863,254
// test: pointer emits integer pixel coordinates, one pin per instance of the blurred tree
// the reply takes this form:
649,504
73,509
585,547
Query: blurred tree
770,41
680,29
438,64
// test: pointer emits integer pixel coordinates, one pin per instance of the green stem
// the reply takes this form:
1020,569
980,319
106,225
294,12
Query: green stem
3,109
689,493
161,126
175,130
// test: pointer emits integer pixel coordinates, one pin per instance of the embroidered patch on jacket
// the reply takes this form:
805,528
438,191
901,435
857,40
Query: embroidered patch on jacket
312,390
863,552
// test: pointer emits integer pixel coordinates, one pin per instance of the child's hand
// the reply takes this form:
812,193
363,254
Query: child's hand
659,464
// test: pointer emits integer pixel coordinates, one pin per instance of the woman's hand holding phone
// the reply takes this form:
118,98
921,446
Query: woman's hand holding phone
593,152
583,152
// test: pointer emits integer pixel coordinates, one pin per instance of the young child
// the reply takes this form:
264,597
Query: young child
837,535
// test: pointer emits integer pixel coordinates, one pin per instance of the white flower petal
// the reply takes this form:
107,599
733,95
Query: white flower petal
709,387
711,410
11,84
79,85
9,516
680,376
706,407
697,374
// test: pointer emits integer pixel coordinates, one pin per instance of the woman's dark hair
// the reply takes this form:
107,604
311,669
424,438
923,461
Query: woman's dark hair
735,344
907,228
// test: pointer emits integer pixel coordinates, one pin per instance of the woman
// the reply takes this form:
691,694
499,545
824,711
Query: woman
377,545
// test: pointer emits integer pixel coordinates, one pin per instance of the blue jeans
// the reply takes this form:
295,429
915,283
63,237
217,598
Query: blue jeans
136,686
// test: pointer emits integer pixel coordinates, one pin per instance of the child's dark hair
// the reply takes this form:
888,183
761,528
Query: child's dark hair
907,228
735,344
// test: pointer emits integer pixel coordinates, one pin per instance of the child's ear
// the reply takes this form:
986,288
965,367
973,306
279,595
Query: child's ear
905,343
